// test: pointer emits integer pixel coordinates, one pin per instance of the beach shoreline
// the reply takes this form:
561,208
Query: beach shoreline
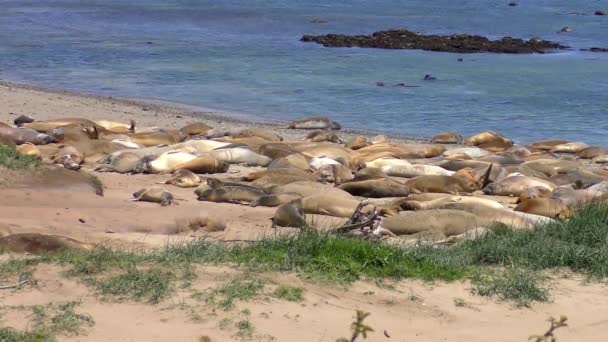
165,109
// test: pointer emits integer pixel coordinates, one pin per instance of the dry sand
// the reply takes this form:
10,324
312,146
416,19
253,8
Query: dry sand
412,311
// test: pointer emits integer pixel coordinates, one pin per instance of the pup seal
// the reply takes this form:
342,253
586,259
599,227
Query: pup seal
544,207
69,157
376,188
290,214
319,136
122,163
195,128
573,147
515,185
314,122
155,194
184,179
230,194
357,142
447,138
29,150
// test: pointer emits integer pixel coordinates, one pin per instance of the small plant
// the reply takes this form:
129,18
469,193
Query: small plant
549,335
515,284
245,328
155,284
12,335
11,159
289,293
358,328
236,290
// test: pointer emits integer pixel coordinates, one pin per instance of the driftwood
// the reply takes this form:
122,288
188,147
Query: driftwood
14,285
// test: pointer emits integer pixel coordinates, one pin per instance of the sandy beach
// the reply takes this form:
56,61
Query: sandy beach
407,310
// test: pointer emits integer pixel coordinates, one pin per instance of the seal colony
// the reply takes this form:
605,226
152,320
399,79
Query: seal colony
377,187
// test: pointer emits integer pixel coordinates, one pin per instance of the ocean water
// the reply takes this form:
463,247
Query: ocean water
244,56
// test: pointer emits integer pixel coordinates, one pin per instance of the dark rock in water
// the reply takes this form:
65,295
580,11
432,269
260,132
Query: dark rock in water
600,12
513,4
429,78
461,43
380,84
566,29
318,21
460,59
596,49
22,119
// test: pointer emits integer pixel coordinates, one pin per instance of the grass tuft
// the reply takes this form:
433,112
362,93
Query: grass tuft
514,284
153,284
11,159
289,293
236,290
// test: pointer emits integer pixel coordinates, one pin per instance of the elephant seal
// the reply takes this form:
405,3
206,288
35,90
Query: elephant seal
357,142
487,138
447,138
471,152
123,163
201,145
168,161
376,188
503,160
155,194
230,194
402,168
334,173
274,200
117,127
277,150
21,136
294,161
38,244
544,207
406,151
22,119
515,185
157,138
497,146
28,149
257,132
603,159
290,214
547,145
314,122
195,128
329,150
592,152
448,202
269,182
318,162
240,156
184,179
534,192
277,172
307,188
440,223
204,164
442,184
550,167
369,173
69,157
573,147
126,143
330,204
319,136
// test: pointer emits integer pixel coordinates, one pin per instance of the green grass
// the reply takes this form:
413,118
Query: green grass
519,256
236,290
11,159
518,285
48,322
289,293
153,284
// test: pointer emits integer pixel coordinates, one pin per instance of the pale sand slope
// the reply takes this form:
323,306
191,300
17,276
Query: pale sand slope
415,311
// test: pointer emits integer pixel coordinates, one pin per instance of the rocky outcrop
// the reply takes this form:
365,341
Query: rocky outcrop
460,43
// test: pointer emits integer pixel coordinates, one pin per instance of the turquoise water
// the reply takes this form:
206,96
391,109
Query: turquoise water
244,56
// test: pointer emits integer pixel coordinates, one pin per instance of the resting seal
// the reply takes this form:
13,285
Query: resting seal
155,194
184,179
230,194
122,163
204,164
314,122
447,138
290,214
69,157
240,156
516,185
274,200
376,188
